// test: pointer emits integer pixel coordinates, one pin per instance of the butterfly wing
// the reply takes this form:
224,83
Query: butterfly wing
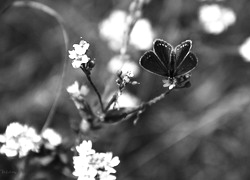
152,63
182,51
163,50
187,65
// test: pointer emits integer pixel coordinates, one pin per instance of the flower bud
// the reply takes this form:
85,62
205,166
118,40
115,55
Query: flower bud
91,64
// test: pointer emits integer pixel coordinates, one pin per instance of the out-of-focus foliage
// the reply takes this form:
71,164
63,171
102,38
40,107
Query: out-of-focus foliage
201,132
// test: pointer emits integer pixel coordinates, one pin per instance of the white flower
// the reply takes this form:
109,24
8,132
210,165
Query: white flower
19,139
75,90
112,29
2,138
78,62
85,148
215,18
116,64
130,74
90,165
244,49
78,55
167,83
52,137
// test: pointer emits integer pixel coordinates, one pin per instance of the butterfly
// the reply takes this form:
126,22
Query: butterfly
174,64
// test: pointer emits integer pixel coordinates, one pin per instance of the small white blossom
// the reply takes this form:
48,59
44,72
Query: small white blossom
52,137
78,55
244,49
85,148
130,74
2,138
75,90
19,139
167,83
90,165
215,18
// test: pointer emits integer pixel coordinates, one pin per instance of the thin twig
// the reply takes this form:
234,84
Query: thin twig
93,85
112,100
134,16
149,103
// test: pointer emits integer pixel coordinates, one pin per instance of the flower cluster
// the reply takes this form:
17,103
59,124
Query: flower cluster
78,55
124,79
90,165
19,140
52,138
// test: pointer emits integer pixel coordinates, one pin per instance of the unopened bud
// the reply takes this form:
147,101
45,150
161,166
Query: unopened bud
91,64
119,73
135,83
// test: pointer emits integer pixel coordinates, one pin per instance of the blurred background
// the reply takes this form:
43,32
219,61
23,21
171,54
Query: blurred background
198,133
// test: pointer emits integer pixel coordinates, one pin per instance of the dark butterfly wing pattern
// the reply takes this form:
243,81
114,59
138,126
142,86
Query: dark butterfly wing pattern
163,51
182,51
157,61
173,64
187,65
153,64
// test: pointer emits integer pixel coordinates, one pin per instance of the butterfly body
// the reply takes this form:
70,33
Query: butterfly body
174,64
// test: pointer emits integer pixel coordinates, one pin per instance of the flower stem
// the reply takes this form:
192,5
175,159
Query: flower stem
112,100
134,14
87,73
149,103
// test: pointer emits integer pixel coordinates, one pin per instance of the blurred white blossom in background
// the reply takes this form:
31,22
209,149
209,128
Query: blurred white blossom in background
215,18
75,90
90,165
112,29
127,100
78,55
19,140
244,49
53,138
117,63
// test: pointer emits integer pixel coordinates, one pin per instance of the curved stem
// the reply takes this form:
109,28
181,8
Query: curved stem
46,9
